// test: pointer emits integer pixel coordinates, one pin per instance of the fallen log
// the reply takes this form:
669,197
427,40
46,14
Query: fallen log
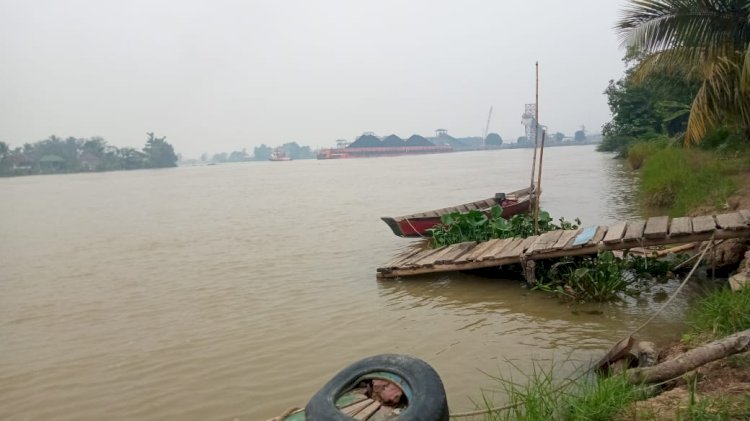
730,345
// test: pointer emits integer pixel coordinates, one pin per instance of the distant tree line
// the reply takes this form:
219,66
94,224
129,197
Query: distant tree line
553,138
261,153
57,155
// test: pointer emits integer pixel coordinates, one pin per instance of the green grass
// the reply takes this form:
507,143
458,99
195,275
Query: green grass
680,179
601,399
640,150
721,313
544,398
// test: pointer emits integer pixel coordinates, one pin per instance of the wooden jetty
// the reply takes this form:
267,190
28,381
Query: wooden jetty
659,230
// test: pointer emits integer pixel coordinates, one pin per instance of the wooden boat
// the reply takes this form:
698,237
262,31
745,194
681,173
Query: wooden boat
416,225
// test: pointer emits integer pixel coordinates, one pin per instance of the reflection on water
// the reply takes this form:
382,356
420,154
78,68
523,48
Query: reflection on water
239,290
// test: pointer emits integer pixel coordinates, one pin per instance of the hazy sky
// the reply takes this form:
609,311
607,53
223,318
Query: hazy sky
218,76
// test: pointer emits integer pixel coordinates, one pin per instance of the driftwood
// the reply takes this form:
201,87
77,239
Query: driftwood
646,353
734,344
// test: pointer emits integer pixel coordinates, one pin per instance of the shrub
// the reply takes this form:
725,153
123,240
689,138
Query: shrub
639,151
726,142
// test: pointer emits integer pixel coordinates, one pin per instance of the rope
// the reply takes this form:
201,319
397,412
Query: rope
286,413
693,257
574,379
679,288
415,230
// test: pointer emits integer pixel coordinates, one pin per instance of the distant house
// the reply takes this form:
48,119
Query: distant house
19,162
51,163
89,161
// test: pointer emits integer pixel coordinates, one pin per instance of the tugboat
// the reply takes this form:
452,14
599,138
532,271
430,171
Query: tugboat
278,155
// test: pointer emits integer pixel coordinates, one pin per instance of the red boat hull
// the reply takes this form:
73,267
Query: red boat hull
417,225
345,153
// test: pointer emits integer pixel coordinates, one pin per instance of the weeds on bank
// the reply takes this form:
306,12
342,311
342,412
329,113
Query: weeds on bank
682,179
543,398
638,151
721,313
723,407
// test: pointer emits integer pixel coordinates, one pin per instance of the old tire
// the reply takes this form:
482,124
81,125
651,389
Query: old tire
428,402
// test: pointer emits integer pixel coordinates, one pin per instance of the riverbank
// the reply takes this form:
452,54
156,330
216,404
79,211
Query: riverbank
717,390
713,181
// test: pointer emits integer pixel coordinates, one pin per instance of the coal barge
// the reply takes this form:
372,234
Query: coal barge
369,146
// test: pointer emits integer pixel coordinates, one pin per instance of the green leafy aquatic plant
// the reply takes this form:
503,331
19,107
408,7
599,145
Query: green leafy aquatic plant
474,225
599,278
603,277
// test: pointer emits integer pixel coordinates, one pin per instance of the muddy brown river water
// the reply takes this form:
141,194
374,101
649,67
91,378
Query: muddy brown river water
236,291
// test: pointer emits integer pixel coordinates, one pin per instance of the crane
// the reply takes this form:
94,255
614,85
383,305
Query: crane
487,127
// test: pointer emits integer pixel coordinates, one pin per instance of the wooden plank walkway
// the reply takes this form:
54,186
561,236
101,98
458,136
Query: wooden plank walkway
654,231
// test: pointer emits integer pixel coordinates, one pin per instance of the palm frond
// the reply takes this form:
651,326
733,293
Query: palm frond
655,25
687,63
704,39
745,72
719,100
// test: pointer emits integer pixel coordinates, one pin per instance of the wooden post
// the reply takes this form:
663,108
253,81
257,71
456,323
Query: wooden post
536,128
539,186
529,272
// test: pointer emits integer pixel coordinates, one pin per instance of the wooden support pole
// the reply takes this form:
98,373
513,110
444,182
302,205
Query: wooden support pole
539,186
536,128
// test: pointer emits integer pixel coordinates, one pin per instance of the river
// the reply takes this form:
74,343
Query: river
236,291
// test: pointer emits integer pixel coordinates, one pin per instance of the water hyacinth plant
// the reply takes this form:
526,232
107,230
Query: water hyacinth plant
599,278
474,225
604,277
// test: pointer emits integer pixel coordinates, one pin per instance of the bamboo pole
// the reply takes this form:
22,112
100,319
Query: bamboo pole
536,127
539,185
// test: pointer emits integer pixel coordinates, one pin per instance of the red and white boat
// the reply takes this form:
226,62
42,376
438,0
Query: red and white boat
417,224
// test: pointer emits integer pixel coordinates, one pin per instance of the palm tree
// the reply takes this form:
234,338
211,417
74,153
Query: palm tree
707,40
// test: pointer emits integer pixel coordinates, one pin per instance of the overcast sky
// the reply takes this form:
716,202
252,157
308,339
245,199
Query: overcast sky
220,75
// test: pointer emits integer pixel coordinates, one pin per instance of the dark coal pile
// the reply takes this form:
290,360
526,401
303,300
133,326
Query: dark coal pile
393,141
366,141
417,140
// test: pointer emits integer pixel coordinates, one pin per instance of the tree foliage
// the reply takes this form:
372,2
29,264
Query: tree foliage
159,153
493,139
705,41
262,152
295,151
57,155
652,107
